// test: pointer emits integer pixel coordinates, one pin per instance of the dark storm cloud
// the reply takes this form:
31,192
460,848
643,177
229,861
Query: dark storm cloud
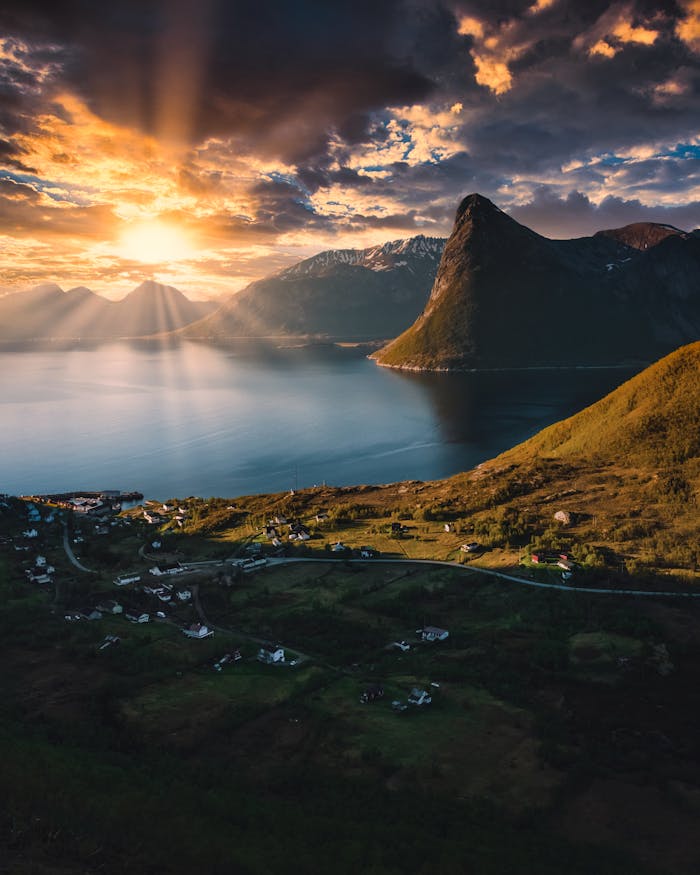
312,83
278,75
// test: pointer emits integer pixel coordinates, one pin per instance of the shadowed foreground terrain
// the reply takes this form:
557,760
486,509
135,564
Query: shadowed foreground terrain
561,734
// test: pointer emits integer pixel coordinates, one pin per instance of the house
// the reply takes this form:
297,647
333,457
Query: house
167,568
432,633
110,641
269,654
448,527
198,630
31,533
321,517
137,618
338,547
184,595
40,561
368,553
419,697
280,520
124,579
471,547
372,693
156,545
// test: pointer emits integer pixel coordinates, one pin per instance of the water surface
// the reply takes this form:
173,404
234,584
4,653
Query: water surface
197,420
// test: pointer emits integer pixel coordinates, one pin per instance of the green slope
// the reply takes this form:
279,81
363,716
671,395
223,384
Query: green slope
652,419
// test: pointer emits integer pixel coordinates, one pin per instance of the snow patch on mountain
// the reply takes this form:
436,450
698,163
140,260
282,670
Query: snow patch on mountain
387,256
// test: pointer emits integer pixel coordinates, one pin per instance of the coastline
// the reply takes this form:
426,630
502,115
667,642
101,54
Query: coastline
628,366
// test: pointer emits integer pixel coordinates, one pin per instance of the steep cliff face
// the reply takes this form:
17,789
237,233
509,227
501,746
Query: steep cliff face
505,296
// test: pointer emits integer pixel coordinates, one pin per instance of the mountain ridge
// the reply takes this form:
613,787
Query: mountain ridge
47,311
505,296
365,294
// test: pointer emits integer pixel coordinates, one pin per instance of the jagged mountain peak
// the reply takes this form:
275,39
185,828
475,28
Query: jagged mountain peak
505,296
379,257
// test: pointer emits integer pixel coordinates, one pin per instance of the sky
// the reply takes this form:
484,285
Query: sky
205,144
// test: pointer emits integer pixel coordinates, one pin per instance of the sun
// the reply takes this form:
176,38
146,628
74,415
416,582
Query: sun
154,241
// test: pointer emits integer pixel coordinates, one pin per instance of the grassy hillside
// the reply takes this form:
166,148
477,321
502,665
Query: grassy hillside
651,420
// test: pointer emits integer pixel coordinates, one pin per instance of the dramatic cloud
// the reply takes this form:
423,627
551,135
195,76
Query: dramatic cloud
211,142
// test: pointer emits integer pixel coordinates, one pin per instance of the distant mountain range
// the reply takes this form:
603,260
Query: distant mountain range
505,296
361,294
46,311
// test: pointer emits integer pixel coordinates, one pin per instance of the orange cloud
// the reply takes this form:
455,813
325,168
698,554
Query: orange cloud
494,49
540,6
688,29
603,48
492,73
612,31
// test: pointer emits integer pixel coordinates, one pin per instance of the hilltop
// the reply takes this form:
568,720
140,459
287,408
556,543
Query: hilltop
348,294
505,296
46,311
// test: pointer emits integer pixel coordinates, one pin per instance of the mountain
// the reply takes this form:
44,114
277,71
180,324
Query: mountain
344,293
504,296
152,308
46,311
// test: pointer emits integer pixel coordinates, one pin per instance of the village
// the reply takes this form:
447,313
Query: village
166,589
300,632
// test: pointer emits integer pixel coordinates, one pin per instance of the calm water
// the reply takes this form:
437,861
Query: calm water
196,420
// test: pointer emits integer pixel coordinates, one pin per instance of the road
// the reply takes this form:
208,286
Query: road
522,581
71,555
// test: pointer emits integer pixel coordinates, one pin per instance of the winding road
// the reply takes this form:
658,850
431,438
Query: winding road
510,577
71,555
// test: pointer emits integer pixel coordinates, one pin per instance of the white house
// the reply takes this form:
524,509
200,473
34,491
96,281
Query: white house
269,654
419,697
123,579
198,630
433,633
31,533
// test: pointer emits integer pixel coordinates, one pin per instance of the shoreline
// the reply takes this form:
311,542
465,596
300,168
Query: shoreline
629,366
